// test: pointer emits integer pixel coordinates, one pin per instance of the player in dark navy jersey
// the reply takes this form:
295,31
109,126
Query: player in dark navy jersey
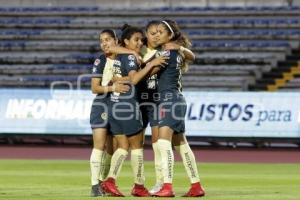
147,89
124,115
172,108
101,77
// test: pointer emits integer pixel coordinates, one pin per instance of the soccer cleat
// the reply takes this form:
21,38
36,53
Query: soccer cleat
109,186
156,188
97,191
139,191
196,190
165,191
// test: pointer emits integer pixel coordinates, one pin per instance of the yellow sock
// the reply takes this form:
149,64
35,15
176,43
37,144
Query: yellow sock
137,164
157,163
95,165
167,159
189,162
117,161
106,165
105,161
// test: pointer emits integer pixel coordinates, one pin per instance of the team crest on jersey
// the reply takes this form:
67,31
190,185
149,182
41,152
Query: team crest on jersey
131,57
97,62
104,116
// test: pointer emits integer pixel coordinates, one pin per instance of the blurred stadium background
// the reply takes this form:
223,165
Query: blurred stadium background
243,87
243,90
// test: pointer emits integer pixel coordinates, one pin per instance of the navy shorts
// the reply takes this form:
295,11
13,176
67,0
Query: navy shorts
149,114
99,113
172,110
125,118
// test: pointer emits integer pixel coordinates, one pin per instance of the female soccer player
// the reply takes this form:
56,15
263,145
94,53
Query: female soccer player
124,116
147,87
172,108
101,76
149,96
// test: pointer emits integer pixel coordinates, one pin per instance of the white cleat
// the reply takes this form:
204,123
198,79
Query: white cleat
156,188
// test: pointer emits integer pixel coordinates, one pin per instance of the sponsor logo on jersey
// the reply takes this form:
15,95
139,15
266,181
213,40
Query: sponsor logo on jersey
117,63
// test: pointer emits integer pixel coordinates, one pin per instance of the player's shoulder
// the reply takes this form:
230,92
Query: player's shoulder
100,60
125,58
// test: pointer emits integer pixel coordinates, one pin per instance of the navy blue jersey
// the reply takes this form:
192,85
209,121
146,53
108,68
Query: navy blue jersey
123,64
169,77
98,115
98,67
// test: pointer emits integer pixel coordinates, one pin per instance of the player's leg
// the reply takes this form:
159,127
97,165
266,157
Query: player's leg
117,160
106,158
136,142
96,159
157,161
182,147
167,161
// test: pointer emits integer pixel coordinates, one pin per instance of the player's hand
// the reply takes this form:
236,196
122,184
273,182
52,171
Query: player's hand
138,58
114,79
160,61
120,87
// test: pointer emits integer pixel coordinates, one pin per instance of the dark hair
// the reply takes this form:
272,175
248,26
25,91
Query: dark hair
179,37
110,32
128,31
152,23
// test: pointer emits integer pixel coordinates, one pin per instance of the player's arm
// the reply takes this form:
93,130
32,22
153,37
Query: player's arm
155,70
188,54
116,87
137,76
123,50
116,79
159,62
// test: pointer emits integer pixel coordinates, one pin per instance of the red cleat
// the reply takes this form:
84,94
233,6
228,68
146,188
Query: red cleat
165,191
139,191
196,190
109,187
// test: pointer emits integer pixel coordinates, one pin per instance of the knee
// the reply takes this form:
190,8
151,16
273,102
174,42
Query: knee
123,146
99,145
137,145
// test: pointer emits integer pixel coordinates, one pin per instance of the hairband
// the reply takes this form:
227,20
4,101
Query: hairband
170,28
115,34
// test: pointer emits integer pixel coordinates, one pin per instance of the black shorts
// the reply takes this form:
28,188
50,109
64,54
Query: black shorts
172,112
99,113
125,118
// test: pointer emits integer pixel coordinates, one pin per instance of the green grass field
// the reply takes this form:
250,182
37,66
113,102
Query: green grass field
57,180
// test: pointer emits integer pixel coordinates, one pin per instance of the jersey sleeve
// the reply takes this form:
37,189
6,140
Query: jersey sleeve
98,66
130,63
